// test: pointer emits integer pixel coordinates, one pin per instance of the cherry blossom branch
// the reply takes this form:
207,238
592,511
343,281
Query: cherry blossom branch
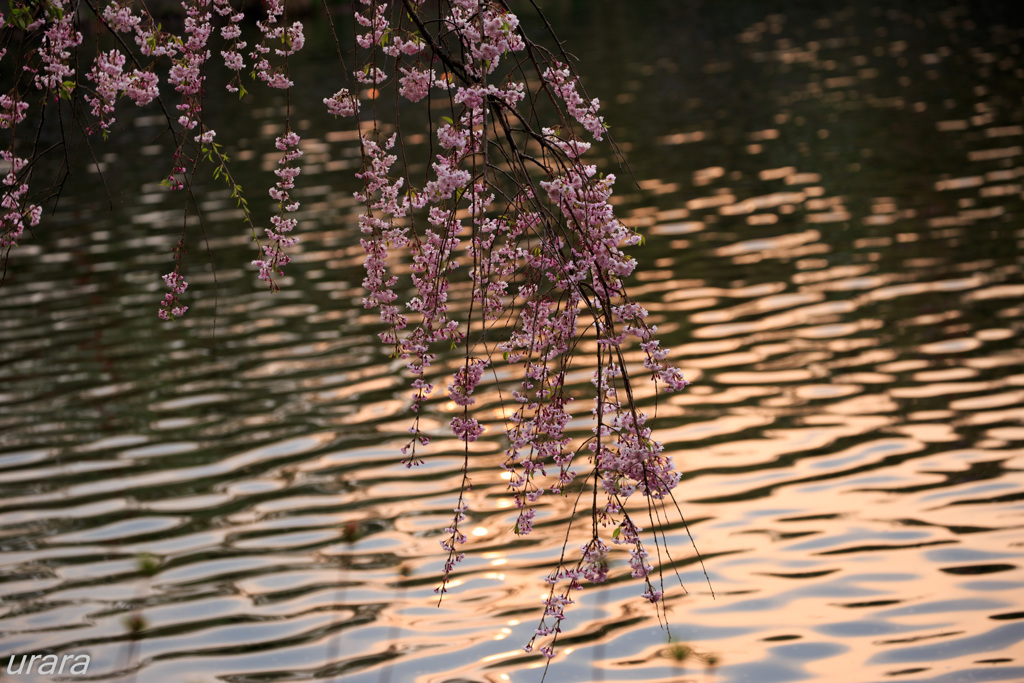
510,206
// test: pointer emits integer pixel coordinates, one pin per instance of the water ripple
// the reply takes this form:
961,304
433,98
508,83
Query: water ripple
831,201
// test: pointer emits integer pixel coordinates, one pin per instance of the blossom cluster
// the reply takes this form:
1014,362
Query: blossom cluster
178,58
186,73
15,209
291,39
60,38
12,111
451,542
111,82
550,251
231,32
592,567
487,32
562,81
171,306
342,103
275,257
505,242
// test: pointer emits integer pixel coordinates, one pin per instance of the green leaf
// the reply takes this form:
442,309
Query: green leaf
21,17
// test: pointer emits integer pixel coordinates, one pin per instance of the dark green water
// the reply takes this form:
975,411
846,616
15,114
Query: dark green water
832,203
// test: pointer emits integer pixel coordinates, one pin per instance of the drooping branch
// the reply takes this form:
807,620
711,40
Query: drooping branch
510,206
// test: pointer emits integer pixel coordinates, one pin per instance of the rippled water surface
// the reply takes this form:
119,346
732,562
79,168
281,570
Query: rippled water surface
832,204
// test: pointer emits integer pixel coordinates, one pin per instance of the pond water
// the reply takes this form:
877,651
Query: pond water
832,203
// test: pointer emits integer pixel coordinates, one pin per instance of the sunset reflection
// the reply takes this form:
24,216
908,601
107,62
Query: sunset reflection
830,198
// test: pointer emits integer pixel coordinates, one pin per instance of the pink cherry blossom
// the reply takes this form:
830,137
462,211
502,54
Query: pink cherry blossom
503,247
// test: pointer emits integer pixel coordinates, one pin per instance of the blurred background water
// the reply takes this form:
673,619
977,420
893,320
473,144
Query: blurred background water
831,196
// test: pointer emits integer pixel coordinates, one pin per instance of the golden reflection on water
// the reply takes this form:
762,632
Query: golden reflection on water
831,205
